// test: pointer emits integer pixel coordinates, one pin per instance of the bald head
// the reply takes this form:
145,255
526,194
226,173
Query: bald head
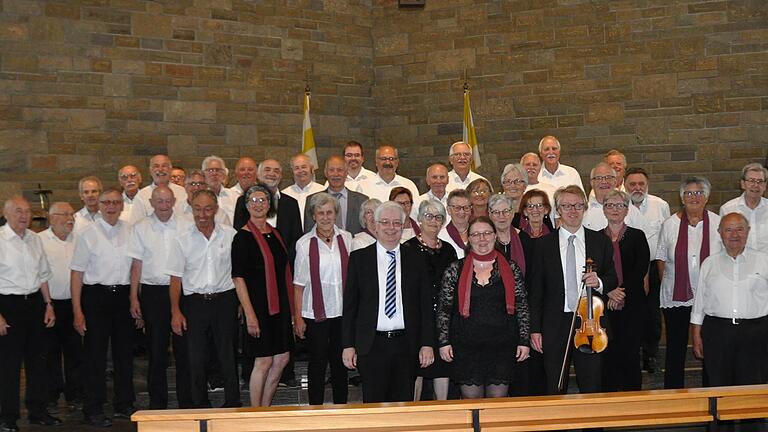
734,231
162,202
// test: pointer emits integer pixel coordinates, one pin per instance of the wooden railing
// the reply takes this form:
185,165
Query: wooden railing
642,408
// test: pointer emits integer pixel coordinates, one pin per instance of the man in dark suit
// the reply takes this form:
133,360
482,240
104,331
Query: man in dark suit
348,217
555,282
387,323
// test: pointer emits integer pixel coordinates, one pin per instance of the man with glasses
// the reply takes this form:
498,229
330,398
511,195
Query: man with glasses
195,181
100,281
178,175
753,205
160,168
557,277
460,158
89,189
216,174
386,178
437,182
603,180
356,172
304,183
130,181
387,321
455,232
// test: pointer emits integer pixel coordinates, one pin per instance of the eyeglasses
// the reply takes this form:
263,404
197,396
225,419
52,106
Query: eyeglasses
569,207
462,155
611,206
513,181
430,217
404,203
464,208
213,170
534,206
111,202
481,234
177,177
67,214
388,223
352,155
755,181
128,176
604,178
689,194
505,212
387,159
480,192
196,184
256,200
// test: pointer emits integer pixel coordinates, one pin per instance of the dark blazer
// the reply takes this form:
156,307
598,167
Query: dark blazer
361,300
288,221
354,201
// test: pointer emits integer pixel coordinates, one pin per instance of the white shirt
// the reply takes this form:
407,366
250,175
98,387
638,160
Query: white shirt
757,217
353,183
376,187
594,217
128,214
141,203
397,322
23,265
654,212
204,265
59,253
455,182
300,194
732,287
665,251
184,216
563,176
226,200
444,236
150,243
580,247
237,190
429,196
100,253
362,240
329,267
83,218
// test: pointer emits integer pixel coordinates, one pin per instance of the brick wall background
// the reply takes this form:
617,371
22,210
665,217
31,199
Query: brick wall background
87,86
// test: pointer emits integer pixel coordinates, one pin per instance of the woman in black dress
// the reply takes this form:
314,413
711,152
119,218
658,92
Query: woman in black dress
262,277
482,316
438,256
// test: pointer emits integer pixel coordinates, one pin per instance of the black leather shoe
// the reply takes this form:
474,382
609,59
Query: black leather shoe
8,427
45,419
124,413
98,420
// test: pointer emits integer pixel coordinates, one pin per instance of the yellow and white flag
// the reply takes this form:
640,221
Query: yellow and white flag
308,137
468,134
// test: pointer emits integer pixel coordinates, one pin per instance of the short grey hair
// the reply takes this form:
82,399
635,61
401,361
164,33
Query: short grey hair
431,206
754,166
706,186
193,173
371,204
387,206
541,142
320,199
514,167
615,193
736,214
529,154
450,150
214,158
601,165
495,199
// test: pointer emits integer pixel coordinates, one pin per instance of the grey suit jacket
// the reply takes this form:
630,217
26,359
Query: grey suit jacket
354,201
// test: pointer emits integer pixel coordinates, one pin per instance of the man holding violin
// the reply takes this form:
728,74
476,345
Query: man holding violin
556,282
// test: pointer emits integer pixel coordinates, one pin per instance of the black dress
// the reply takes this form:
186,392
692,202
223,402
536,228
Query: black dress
437,260
248,263
485,343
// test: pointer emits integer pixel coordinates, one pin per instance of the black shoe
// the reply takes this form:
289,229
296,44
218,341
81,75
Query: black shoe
289,382
7,426
124,413
98,420
649,365
53,407
45,419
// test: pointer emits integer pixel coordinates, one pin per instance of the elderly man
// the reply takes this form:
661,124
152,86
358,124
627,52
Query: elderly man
386,178
730,310
100,302
349,201
555,173
25,311
354,158
460,156
216,174
130,181
437,182
160,168
178,174
245,174
89,189
752,205
63,341
199,262
603,180
304,183
387,320
618,162
532,165
194,182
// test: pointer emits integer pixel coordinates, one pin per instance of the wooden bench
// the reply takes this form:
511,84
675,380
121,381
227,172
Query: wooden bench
627,409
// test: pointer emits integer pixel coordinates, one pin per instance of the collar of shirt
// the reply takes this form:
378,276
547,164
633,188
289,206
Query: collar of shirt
362,175
382,251
454,177
380,181
564,234
52,236
9,234
344,192
558,172
431,195
127,199
303,190
743,202
158,225
594,204
108,229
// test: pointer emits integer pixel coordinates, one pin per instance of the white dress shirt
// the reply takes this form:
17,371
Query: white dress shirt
594,217
301,193
329,267
237,190
444,236
226,200
732,287
376,187
563,176
204,265
455,182
353,183
23,265
128,214
141,204
757,217
397,322
100,253
580,247
654,212
184,216
151,243
59,253
362,240
83,218
665,251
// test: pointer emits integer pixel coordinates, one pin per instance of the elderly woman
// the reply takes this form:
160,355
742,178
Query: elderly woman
482,316
262,276
686,239
456,232
507,239
621,369
479,191
535,209
514,180
367,236
437,255
322,255
404,197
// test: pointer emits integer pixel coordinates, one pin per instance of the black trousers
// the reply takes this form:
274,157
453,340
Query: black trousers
107,319
588,366
677,325
621,364
735,354
324,340
388,370
156,310
25,342
218,315
64,347
652,326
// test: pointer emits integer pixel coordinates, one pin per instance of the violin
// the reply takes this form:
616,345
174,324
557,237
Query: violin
590,337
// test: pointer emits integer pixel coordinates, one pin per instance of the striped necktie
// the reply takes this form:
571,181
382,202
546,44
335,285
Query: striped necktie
390,297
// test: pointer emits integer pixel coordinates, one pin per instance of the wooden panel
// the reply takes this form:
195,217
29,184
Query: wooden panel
169,426
565,424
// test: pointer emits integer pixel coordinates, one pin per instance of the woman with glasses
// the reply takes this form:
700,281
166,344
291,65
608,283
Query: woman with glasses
367,236
507,238
437,255
514,180
687,238
479,190
404,197
456,231
482,316
264,284
621,369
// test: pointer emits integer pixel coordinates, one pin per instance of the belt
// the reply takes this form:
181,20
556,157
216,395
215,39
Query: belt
30,296
61,301
109,288
390,334
209,296
738,321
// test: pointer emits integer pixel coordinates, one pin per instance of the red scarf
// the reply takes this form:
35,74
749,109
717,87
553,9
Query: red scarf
683,291
273,299
516,253
525,226
465,280
415,226
318,304
454,234
617,252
